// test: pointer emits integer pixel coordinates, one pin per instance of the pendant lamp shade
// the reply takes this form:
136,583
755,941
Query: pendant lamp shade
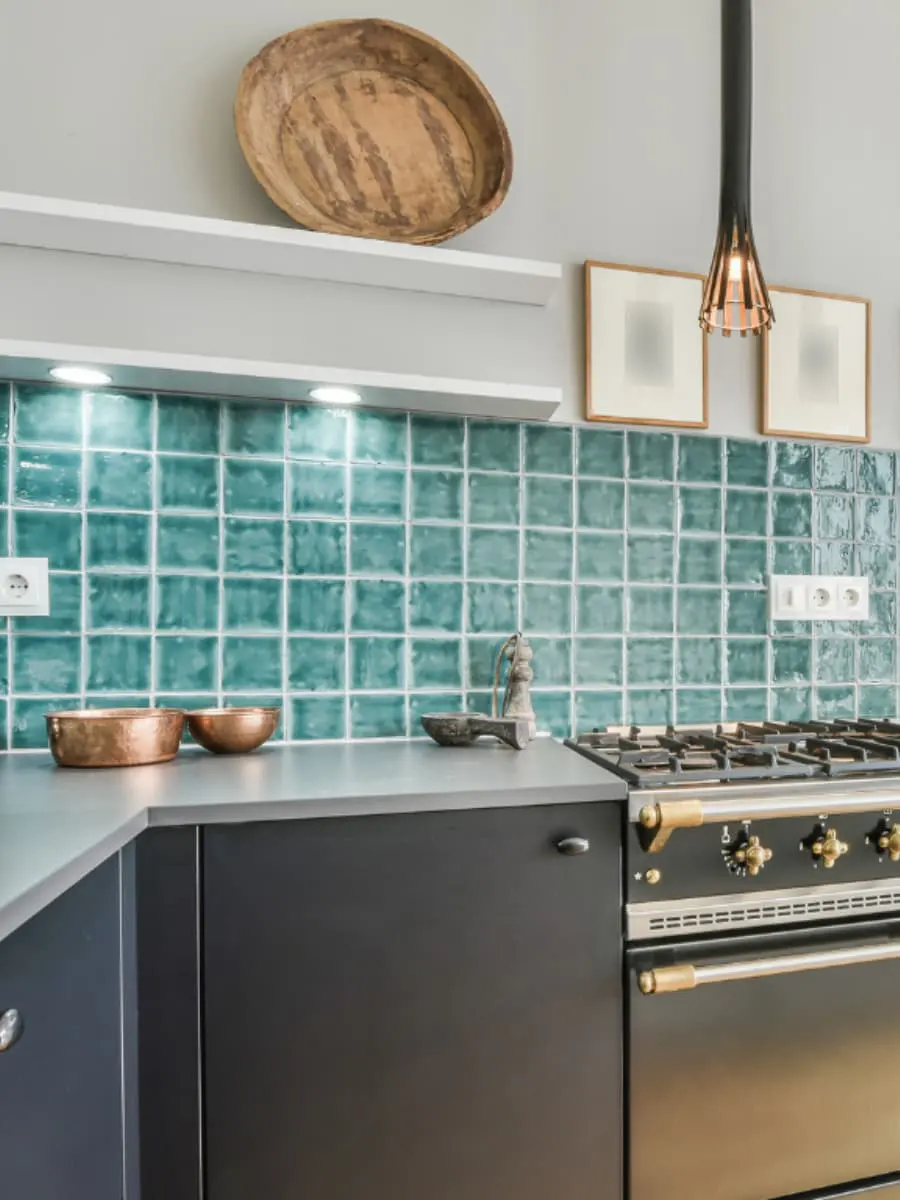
735,297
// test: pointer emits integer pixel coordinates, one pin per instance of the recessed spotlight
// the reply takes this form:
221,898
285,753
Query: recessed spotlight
85,376
335,395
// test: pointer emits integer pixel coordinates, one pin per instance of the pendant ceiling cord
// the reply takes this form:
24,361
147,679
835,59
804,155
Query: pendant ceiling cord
735,296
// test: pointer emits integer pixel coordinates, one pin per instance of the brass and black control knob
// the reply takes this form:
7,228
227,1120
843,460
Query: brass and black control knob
827,847
749,855
889,840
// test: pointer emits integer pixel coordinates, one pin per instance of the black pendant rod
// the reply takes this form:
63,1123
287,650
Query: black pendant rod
737,108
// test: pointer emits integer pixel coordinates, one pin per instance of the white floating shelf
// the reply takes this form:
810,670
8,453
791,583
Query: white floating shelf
44,223
142,370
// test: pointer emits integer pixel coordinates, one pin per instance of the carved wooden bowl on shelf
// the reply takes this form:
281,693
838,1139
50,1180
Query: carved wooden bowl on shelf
372,129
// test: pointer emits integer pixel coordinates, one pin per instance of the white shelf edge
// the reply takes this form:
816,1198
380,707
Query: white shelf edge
85,227
158,371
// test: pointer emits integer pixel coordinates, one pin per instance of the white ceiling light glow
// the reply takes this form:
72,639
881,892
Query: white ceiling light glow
83,376
335,395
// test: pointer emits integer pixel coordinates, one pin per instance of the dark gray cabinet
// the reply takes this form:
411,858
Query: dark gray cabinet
61,1082
413,1006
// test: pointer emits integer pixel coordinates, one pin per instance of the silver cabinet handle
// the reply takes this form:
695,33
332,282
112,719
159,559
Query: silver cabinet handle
11,1028
573,845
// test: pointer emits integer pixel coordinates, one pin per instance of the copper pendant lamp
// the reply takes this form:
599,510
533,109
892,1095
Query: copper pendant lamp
735,297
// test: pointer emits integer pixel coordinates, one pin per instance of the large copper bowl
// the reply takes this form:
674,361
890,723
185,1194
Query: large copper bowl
114,737
232,730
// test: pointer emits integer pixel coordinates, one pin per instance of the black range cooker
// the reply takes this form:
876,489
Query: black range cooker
762,927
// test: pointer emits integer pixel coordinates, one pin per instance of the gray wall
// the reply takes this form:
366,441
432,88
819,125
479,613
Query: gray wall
613,109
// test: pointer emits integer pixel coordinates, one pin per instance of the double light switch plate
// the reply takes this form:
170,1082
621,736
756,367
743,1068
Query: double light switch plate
818,598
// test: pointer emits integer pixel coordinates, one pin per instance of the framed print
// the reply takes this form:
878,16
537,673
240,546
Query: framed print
646,354
816,365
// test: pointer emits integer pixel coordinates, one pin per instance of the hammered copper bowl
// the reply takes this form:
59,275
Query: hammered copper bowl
114,737
232,730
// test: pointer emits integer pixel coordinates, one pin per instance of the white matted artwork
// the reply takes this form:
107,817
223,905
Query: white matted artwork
646,354
815,374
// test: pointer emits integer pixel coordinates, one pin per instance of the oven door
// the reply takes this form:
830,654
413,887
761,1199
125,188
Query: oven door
764,1066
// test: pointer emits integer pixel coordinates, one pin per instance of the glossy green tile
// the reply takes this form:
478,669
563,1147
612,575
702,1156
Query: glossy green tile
601,452
317,547
746,463
493,608
792,465
317,718
600,556
50,478
4,709
746,612
648,660
4,474
186,663
254,485
254,429
119,540
377,663
878,701
52,535
436,441
377,606
791,660
316,664
651,506
745,560
318,489
699,459
792,703
47,415
698,706
834,469
875,519
189,424
118,602
118,662
253,545
547,555
746,512
316,605
321,434
553,712
5,410
435,550
424,703
699,510
116,480
746,704
649,706
47,664
599,661
65,609
437,495
877,660
481,656
700,560
835,660
29,729
252,604
435,606
187,481
792,514
494,499
599,609
876,472
436,662
547,607
493,446
650,610
377,716
745,660
549,449
651,558
119,421
882,615
650,455
833,558
552,663
494,553
380,550
188,542
878,561
548,501
251,664
699,660
5,530
601,505
378,437
792,558
597,710
699,610
187,602
833,701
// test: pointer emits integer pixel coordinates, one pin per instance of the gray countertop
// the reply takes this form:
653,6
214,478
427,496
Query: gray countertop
56,825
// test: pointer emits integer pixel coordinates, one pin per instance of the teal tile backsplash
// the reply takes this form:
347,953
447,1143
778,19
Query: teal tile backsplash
362,568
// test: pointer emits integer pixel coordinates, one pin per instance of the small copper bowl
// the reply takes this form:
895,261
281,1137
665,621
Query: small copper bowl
114,737
232,730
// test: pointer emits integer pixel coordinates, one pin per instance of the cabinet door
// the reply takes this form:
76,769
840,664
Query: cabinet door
414,1006
61,1083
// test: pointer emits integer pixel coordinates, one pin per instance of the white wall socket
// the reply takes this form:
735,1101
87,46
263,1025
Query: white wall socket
24,587
818,598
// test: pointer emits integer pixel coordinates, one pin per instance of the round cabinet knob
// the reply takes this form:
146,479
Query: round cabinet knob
573,845
11,1028
889,840
753,856
830,848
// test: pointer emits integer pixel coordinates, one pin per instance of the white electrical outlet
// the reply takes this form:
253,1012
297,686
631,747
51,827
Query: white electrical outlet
24,587
818,598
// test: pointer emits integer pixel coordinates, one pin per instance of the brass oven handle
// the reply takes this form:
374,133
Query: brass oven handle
682,977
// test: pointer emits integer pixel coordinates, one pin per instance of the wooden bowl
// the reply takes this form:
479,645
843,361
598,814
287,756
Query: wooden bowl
114,737
373,129
232,730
